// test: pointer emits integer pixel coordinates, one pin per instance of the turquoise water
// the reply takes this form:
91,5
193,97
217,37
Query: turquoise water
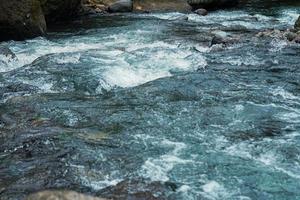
141,105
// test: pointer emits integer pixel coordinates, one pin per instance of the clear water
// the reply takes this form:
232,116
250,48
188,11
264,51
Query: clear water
142,99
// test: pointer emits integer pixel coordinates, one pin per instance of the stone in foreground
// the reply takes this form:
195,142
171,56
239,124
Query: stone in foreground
60,195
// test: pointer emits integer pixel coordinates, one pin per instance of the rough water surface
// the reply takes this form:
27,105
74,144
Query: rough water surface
142,106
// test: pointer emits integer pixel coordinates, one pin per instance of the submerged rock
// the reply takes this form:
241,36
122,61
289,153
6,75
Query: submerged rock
140,189
20,19
60,195
121,6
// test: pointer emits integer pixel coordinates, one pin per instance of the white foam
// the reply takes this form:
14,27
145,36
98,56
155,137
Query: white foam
214,190
157,169
278,45
66,59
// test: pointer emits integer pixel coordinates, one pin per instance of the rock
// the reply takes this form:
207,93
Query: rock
121,6
297,39
201,11
60,195
290,36
140,189
211,4
55,10
297,25
161,5
21,19
181,18
217,39
7,52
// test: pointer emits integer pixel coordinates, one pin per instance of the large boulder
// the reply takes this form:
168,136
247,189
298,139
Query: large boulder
211,4
20,19
297,24
55,10
161,5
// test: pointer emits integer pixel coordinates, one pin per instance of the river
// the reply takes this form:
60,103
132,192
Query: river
141,105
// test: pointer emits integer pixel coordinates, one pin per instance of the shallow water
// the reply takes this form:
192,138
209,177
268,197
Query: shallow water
143,105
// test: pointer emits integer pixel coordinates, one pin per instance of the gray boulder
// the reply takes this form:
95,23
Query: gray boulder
121,6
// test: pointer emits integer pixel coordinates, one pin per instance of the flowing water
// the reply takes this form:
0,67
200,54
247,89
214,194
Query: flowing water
141,106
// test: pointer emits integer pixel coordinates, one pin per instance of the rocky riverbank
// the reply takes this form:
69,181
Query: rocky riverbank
22,19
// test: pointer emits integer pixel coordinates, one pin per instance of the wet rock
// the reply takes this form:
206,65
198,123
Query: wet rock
182,18
121,6
139,190
201,11
20,19
161,5
60,195
297,39
219,37
290,36
7,52
212,4
297,24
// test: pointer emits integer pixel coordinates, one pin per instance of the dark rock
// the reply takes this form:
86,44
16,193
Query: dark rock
201,11
297,24
121,6
212,4
55,10
21,19
161,5
139,189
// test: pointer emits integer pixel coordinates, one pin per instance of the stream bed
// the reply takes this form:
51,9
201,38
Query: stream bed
143,106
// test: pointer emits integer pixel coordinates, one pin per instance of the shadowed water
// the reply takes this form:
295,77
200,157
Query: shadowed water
143,107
